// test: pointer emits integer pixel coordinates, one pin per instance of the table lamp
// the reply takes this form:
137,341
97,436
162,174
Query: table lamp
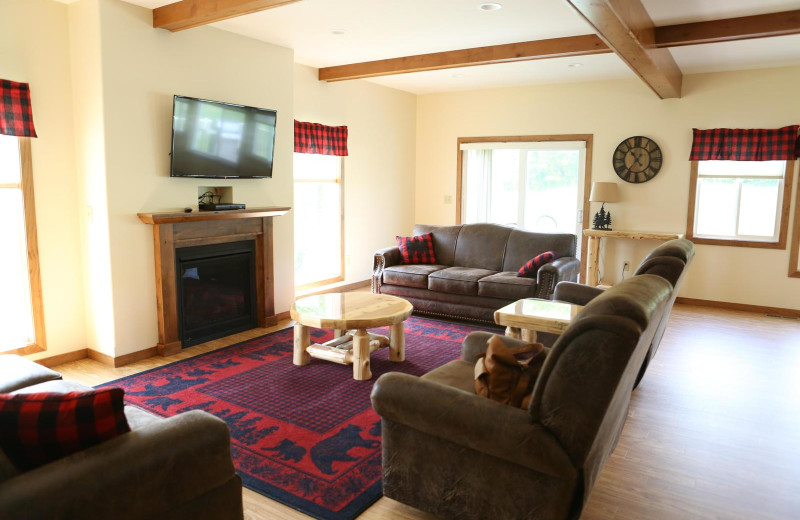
603,192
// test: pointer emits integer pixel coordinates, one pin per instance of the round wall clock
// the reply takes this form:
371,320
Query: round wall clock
637,159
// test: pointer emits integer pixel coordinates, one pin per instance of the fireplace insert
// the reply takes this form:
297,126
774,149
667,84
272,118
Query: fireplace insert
216,290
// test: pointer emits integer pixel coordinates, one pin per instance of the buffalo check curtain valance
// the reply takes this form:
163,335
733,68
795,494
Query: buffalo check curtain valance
739,144
319,139
16,116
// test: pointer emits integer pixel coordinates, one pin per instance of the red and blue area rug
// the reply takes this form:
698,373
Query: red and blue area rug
304,436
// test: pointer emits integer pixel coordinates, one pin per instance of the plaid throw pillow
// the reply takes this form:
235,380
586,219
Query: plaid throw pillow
531,266
417,250
39,428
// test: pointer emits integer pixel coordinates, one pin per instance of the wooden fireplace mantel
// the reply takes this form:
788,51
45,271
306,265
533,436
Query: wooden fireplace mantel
173,230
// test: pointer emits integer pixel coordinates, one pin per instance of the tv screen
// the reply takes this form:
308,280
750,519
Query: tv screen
221,140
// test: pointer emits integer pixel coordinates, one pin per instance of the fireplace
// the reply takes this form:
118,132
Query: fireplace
177,232
216,290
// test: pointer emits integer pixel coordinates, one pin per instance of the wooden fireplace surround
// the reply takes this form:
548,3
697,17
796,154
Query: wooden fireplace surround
178,229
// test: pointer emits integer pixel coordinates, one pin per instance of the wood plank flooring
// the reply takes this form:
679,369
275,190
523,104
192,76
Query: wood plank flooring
713,431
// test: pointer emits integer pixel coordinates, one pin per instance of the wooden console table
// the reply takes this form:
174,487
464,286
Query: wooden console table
172,230
593,253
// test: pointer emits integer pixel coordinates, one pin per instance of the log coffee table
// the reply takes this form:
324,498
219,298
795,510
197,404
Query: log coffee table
524,317
354,312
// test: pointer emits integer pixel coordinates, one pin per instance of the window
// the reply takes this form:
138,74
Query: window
21,323
740,203
535,185
319,219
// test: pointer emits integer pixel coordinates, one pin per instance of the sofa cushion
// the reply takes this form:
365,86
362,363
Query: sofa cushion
7,469
38,428
507,285
417,249
482,246
138,418
457,280
57,387
524,245
529,268
410,275
17,372
444,241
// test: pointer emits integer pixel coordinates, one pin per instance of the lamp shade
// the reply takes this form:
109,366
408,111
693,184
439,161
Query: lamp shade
604,192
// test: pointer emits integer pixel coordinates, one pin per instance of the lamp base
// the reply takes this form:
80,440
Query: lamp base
602,219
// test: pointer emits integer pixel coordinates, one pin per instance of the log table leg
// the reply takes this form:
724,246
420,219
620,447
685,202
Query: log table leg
513,332
397,342
338,333
361,352
302,339
529,335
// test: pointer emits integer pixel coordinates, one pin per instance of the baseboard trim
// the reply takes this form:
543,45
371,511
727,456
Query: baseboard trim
335,288
101,357
60,359
133,357
780,311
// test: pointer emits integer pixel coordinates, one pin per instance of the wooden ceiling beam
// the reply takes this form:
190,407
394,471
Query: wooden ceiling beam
625,27
524,51
729,29
186,14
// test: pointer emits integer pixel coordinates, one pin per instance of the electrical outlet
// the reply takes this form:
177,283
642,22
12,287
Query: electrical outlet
448,199
626,266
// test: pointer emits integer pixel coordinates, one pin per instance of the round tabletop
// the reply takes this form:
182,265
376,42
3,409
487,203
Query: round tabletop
351,310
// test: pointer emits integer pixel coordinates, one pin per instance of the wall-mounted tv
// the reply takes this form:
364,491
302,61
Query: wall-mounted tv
221,140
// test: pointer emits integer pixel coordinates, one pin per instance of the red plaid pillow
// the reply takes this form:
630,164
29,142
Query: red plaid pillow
531,266
417,250
38,428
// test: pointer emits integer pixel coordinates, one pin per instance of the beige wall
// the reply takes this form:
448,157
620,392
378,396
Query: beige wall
142,68
379,172
612,111
34,48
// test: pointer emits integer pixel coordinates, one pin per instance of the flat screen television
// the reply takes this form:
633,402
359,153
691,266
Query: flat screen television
221,140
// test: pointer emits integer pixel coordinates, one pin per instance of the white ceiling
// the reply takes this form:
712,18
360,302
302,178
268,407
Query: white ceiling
380,29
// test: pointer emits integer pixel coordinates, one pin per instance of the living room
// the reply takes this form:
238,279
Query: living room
102,82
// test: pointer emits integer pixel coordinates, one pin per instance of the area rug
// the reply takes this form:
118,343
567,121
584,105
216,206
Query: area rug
304,436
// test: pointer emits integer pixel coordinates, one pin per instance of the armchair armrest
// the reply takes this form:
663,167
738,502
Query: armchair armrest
471,421
383,258
140,474
561,269
576,293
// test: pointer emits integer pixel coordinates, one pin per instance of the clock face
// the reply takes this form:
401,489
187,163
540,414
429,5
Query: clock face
637,159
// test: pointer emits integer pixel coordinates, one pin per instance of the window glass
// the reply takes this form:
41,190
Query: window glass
318,218
16,316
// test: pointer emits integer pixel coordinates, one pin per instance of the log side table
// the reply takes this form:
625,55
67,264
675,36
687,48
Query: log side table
524,318
350,315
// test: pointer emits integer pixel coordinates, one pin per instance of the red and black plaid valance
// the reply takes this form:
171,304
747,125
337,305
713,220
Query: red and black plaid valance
740,144
16,116
320,139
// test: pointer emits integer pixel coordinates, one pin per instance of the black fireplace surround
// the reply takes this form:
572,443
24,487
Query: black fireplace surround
216,290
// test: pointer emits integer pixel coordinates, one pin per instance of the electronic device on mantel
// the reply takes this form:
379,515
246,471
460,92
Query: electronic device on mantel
205,202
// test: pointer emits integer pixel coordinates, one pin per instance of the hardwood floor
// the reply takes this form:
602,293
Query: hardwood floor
713,430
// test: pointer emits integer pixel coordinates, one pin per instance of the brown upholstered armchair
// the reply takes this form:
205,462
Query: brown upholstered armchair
670,261
457,455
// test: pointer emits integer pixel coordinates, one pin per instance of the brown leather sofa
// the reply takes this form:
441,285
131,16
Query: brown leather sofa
454,454
670,261
174,468
476,270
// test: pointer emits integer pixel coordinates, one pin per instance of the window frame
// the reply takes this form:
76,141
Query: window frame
587,176
32,243
794,252
782,212
340,181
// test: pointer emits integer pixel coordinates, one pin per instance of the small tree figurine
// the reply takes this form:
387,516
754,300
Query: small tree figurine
599,221
607,223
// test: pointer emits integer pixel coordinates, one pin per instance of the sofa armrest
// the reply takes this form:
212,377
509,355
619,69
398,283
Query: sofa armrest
576,293
561,269
383,258
471,421
141,474
476,343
